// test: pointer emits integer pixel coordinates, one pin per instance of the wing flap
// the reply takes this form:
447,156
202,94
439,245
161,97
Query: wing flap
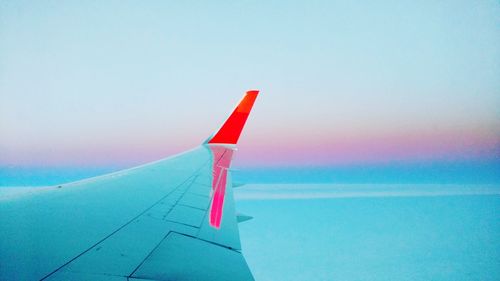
178,258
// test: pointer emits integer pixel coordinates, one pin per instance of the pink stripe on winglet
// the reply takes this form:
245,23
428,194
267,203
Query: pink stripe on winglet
221,161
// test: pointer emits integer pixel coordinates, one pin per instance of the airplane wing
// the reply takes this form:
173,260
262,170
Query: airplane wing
173,219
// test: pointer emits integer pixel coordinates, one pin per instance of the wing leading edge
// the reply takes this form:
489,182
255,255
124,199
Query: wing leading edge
172,219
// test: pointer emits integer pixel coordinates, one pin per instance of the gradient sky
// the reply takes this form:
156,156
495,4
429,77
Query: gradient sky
94,83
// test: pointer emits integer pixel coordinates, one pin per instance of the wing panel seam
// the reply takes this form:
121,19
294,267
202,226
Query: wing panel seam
192,176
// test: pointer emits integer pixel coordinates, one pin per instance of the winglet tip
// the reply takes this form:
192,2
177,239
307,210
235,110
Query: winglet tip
230,131
253,92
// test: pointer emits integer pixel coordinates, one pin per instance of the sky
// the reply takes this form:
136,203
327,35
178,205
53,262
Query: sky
343,83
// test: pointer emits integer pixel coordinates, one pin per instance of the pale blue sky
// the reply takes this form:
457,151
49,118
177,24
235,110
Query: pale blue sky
105,82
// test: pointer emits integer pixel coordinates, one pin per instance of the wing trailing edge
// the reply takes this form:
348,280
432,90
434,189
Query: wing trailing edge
230,131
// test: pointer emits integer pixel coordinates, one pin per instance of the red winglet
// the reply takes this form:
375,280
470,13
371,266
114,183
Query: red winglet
231,130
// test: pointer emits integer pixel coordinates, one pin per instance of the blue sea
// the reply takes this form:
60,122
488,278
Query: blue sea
371,232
